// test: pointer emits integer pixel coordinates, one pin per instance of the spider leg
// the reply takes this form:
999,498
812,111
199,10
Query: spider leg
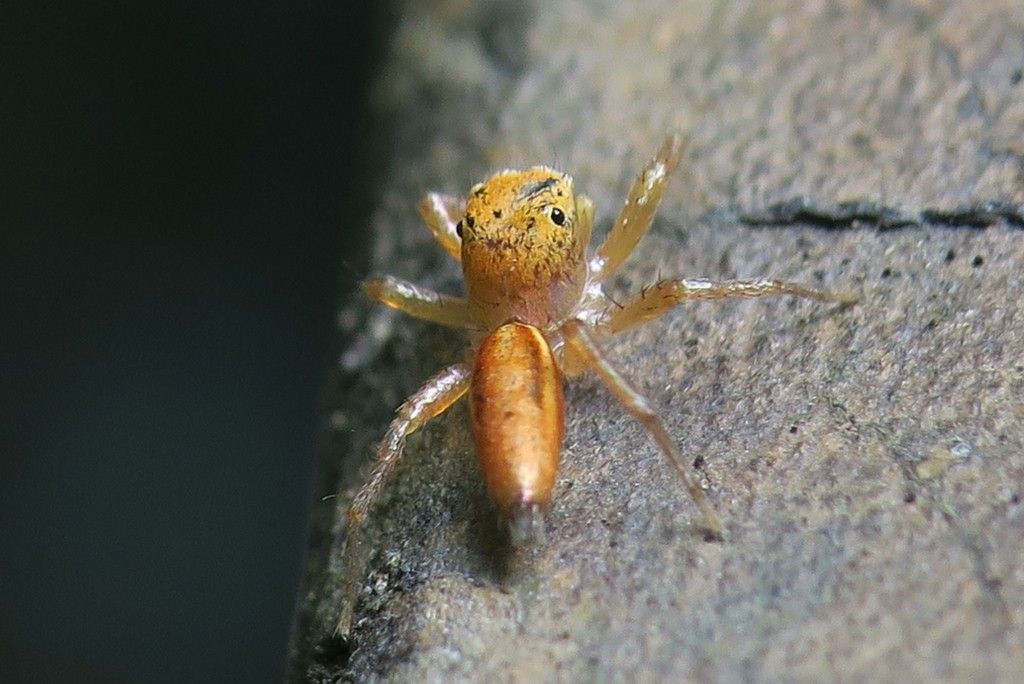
580,343
441,213
635,218
429,401
658,299
584,219
420,302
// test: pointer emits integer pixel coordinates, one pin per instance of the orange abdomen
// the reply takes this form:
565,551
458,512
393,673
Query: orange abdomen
518,417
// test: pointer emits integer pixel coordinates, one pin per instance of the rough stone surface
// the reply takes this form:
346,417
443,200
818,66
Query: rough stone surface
868,463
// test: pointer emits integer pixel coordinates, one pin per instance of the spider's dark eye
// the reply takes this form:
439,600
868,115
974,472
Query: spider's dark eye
458,229
470,221
558,216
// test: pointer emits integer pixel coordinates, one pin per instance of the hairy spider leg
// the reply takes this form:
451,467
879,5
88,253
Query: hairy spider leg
423,303
661,297
579,342
429,401
584,219
635,218
441,213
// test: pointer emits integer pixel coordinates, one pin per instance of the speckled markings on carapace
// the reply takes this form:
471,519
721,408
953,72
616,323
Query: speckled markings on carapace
522,256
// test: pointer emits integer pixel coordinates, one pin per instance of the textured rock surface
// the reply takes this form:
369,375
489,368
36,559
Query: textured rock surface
868,463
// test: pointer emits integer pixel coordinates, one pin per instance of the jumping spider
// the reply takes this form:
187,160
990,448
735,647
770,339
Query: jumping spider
533,301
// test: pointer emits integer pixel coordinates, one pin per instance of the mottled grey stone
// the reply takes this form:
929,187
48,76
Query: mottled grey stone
868,463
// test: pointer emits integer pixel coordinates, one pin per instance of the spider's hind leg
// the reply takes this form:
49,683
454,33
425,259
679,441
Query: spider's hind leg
589,354
429,401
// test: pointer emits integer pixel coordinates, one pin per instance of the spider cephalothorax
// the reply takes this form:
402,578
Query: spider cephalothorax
523,249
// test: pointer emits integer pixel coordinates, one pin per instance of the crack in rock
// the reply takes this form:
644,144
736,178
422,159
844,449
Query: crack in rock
848,215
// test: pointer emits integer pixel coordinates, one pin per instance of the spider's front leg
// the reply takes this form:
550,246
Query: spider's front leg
635,218
658,299
429,401
442,213
588,354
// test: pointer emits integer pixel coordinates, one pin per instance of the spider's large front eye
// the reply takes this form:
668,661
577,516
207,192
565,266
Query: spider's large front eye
558,216
458,229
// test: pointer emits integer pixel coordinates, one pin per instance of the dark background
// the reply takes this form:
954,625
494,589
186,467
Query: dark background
180,187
